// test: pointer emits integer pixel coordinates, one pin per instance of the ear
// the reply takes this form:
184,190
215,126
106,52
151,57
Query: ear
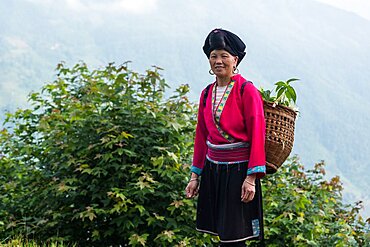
236,58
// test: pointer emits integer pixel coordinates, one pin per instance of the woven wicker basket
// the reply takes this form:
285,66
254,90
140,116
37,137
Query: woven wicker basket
280,122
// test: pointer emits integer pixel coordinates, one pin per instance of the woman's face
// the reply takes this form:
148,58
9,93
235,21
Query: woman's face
222,63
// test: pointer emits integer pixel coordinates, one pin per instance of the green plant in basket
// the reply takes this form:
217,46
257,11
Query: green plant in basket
280,114
285,94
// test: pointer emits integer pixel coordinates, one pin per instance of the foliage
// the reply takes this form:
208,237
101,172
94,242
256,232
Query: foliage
302,208
285,93
101,158
19,242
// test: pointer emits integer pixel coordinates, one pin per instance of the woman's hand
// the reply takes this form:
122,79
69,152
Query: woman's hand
192,187
248,188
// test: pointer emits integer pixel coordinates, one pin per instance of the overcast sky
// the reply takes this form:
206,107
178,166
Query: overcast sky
360,7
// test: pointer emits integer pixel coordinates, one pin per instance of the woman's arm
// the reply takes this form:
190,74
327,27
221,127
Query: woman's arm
200,146
200,151
255,124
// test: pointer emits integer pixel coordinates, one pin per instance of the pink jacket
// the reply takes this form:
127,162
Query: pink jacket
241,119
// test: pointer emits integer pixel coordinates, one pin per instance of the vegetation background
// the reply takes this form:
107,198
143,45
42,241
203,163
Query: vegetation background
326,47
102,157
51,178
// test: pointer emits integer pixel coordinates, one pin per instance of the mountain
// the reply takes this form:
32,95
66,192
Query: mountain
327,48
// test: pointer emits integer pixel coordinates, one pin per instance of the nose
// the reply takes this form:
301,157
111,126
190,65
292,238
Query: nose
218,60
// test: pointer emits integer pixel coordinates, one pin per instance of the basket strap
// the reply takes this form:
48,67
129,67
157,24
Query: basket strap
243,86
206,95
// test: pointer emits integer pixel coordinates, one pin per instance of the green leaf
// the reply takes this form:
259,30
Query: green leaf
291,80
288,96
281,92
280,84
292,93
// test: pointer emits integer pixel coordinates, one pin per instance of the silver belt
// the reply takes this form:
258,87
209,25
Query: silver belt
228,146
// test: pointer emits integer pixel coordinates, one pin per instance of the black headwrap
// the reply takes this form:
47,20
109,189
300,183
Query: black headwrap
220,39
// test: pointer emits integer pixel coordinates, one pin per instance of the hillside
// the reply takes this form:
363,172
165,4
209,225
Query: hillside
327,48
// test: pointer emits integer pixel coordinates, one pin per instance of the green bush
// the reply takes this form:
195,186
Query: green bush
302,208
19,242
101,158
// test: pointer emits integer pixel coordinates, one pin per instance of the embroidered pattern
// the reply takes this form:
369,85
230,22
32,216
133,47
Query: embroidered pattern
217,111
196,170
256,227
231,146
256,169
225,162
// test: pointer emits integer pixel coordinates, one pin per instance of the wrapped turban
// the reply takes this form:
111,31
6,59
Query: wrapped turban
219,39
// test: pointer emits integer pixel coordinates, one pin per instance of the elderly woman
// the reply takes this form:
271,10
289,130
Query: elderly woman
229,152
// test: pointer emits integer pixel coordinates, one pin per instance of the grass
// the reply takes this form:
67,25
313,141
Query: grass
19,242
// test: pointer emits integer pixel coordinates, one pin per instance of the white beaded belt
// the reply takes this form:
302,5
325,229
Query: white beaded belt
228,146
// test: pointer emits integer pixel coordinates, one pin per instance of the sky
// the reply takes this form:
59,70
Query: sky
109,6
360,7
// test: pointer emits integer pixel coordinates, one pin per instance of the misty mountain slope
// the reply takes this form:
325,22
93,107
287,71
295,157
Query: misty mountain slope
327,48
332,63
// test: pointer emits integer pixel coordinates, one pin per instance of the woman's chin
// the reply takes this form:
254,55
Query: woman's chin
222,74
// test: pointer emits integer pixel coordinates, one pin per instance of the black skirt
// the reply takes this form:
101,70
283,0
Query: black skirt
220,210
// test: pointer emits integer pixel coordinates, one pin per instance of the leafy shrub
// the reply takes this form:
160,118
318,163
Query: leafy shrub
102,159
19,242
98,160
302,208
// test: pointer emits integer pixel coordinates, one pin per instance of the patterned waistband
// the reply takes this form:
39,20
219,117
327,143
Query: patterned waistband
228,153
228,146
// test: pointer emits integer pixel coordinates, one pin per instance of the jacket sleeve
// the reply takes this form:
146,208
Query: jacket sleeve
200,146
255,124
